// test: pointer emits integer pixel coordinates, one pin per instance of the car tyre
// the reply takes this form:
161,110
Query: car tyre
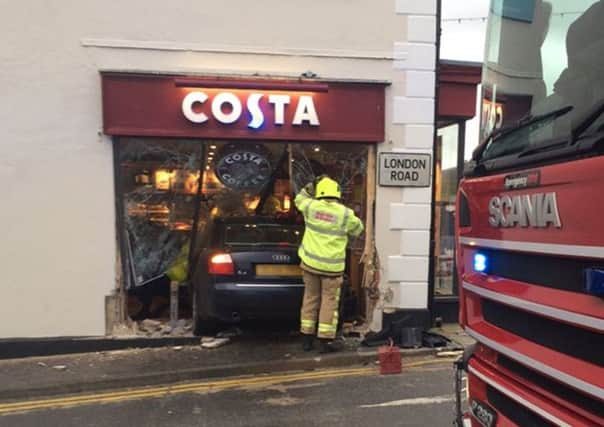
203,325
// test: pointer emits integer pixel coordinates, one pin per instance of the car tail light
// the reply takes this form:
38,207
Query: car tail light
221,264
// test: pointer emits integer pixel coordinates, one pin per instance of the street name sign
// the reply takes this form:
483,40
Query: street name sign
404,170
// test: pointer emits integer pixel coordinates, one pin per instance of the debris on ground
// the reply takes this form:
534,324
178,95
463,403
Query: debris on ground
157,328
177,348
60,367
42,364
229,333
449,353
214,342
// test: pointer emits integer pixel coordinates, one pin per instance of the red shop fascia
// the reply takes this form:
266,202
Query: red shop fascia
242,109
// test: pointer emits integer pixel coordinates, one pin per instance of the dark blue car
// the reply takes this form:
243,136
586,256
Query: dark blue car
248,269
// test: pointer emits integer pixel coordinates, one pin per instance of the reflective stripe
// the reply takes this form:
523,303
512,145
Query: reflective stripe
325,230
323,259
308,323
307,208
326,327
345,222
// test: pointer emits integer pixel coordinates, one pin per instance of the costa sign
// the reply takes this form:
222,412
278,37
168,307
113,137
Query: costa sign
227,108
257,109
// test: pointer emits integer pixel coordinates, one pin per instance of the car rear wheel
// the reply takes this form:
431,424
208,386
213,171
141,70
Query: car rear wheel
203,325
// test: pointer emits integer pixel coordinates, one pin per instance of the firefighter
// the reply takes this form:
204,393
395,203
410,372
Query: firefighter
323,254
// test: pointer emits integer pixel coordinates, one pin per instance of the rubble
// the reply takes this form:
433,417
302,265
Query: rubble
60,367
157,328
214,342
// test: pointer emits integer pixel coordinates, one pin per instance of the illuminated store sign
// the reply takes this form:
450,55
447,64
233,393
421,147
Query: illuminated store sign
227,108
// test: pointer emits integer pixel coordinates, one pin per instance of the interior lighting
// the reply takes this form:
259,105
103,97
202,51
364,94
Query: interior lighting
286,203
316,149
163,179
213,147
481,262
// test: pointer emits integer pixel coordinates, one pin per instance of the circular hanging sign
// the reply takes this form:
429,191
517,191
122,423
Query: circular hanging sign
243,170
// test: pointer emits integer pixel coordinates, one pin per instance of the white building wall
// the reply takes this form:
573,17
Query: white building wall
406,223
59,251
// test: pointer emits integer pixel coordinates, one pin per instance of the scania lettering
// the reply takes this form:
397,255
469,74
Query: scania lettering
529,228
305,112
534,210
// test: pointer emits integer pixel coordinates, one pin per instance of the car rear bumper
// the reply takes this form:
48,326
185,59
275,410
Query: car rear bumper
235,301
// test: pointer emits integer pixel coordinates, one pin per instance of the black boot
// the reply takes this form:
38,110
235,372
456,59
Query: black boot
329,346
307,342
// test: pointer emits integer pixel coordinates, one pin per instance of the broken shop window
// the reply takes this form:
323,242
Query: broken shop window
162,202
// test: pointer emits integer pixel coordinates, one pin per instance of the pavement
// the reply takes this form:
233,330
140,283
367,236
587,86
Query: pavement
421,396
247,354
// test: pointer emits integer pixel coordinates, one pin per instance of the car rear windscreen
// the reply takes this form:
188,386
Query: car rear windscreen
262,234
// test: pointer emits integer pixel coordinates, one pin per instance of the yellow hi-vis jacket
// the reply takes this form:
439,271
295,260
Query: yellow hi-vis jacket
328,225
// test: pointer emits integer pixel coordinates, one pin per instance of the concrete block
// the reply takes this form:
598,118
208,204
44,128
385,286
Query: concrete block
413,110
421,29
420,84
416,7
422,195
407,268
409,217
419,136
420,56
411,295
415,243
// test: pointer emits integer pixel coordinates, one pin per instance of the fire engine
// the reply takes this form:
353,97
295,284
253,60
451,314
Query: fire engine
530,222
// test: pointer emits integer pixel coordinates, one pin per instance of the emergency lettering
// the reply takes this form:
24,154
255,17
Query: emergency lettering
327,217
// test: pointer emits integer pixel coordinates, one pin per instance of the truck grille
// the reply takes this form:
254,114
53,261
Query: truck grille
580,343
511,409
544,270
562,391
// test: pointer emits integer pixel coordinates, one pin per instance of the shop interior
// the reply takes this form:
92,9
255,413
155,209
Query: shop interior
169,190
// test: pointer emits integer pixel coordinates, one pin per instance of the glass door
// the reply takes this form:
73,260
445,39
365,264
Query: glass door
446,180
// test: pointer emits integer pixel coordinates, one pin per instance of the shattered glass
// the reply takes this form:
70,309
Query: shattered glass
159,180
159,183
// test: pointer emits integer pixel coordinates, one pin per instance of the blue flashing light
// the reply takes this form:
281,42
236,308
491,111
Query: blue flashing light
481,262
594,281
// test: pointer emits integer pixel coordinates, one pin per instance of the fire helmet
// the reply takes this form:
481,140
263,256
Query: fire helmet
327,187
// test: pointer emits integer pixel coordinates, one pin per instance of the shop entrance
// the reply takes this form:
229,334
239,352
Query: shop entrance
176,195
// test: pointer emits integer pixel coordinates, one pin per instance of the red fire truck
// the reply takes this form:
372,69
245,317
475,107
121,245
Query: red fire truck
530,221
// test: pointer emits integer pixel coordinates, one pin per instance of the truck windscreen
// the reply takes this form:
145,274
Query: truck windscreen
543,78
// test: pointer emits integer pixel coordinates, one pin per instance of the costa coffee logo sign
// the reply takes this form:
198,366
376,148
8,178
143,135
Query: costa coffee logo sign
227,108
243,170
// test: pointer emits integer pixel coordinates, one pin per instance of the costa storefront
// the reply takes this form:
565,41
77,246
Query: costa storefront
190,149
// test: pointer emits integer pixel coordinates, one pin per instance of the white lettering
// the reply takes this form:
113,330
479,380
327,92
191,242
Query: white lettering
226,98
550,211
279,102
535,210
495,218
305,111
187,107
